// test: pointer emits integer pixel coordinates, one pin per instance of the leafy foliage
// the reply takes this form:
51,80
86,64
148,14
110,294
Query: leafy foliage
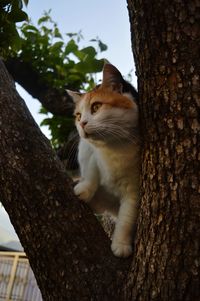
60,128
10,13
61,62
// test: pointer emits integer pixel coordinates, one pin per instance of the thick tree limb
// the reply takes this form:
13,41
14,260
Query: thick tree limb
166,49
67,248
55,101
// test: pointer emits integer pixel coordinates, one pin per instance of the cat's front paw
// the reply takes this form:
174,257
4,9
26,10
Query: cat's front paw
120,249
84,191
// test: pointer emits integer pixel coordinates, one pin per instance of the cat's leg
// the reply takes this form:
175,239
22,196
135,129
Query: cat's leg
124,228
89,182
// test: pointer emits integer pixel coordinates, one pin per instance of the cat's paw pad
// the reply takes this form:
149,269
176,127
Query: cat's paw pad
121,249
84,191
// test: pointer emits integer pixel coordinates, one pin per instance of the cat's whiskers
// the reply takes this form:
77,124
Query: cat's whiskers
71,155
115,134
123,132
123,135
114,130
101,134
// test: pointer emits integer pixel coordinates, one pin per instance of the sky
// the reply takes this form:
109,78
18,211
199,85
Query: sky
107,19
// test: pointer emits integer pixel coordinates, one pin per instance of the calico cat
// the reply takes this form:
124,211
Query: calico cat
109,153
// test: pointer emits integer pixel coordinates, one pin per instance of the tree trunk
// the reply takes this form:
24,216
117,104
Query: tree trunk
165,36
67,248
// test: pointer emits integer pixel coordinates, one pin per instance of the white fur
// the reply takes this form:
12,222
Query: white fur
110,169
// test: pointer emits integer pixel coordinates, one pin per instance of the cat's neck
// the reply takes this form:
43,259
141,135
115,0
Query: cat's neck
120,146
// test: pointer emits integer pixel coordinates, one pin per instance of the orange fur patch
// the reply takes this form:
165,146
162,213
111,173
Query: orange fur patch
106,96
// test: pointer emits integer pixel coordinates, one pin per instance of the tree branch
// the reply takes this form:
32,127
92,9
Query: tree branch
55,101
68,250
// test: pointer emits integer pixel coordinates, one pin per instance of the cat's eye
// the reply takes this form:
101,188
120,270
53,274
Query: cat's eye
95,107
78,116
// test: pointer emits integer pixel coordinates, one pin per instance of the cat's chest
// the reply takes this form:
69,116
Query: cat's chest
113,165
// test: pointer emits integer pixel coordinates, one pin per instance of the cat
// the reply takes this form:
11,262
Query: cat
109,153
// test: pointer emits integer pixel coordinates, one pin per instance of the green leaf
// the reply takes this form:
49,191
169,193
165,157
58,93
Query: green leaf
17,16
71,47
102,46
43,111
46,121
71,34
89,50
91,66
56,46
43,19
80,55
31,28
57,33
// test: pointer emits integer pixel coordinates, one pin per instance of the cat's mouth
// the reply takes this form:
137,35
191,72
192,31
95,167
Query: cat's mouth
88,135
93,135
85,134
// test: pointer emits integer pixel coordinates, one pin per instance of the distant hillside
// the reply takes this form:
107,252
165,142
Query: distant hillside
13,245
9,241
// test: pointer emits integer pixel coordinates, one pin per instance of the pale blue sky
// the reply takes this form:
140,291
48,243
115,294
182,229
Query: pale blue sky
107,19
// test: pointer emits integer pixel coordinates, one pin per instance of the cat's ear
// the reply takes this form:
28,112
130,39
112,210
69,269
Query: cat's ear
112,78
76,96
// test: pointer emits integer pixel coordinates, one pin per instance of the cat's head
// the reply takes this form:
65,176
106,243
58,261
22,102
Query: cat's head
109,113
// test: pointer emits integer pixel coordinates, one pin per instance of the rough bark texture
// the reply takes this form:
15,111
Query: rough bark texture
55,101
67,248
166,45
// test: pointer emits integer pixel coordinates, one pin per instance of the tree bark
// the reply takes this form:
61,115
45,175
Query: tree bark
67,248
165,36
55,101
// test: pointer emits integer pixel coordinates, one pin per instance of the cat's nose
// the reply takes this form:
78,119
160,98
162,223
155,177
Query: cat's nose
83,123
